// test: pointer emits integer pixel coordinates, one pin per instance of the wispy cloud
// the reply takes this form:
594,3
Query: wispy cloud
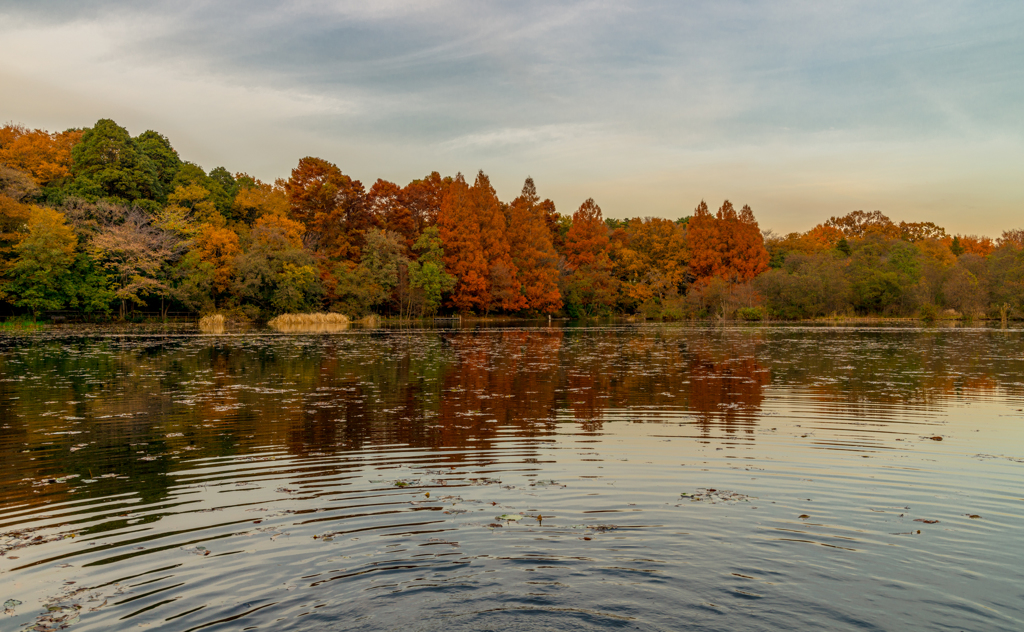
580,94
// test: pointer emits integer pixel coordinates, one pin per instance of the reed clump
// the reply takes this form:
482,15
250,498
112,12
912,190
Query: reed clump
372,320
316,322
212,324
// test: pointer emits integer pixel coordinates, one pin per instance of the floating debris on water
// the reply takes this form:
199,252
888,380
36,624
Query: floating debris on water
714,496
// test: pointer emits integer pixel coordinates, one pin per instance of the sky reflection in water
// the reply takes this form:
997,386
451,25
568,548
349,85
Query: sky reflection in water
653,477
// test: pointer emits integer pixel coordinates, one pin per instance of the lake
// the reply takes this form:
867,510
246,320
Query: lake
639,477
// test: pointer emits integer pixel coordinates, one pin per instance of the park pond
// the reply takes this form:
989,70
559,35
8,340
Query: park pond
642,477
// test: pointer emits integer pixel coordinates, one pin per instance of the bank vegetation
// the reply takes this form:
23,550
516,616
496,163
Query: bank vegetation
98,224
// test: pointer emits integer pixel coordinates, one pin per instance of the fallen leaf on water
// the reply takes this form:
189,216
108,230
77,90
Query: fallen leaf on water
804,516
936,438
926,521
973,516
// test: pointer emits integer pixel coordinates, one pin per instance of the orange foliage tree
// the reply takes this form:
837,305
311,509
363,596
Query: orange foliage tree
821,237
504,290
13,218
728,245
463,247
652,260
331,206
974,245
219,247
588,286
586,243
261,199
389,211
44,156
533,254
860,223
920,231
423,198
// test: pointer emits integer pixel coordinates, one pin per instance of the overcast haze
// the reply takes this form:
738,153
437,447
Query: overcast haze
801,109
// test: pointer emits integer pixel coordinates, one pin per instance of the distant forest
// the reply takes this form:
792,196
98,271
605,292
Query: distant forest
102,224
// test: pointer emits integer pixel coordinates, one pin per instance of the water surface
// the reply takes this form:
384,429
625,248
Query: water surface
640,477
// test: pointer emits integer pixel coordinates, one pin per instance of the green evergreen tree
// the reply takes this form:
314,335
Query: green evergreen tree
956,247
109,163
164,158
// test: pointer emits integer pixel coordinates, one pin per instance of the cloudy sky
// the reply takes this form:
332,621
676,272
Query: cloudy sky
802,109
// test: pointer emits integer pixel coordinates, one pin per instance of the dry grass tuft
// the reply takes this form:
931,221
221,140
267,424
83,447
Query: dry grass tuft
318,322
212,324
372,320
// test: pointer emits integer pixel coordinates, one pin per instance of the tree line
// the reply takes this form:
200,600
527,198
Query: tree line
105,224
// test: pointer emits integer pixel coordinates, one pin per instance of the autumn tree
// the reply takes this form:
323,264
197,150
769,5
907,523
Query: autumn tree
45,156
207,272
974,245
134,253
504,290
586,241
17,185
706,257
1011,239
423,198
332,207
727,245
218,246
533,254
587,285
920,231
259,199
188,209
387,205
459,229
558,225
13,218
821,237
746,246
858,224
652,261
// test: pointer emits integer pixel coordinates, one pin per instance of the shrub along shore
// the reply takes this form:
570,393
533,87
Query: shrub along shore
97,224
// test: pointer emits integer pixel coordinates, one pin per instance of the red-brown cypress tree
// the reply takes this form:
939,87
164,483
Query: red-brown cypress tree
532,252
463,249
